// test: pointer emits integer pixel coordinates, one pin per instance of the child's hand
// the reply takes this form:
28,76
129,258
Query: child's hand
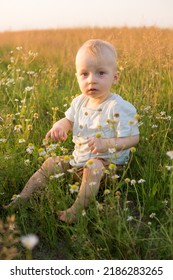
97,145
57,133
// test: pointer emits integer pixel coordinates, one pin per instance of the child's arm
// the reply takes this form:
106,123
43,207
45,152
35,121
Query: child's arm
100,145
123,143
59,130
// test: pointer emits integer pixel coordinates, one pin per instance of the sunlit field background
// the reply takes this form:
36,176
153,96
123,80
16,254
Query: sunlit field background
132,216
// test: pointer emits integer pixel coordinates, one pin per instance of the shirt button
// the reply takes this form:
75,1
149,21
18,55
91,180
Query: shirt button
86,113
81,126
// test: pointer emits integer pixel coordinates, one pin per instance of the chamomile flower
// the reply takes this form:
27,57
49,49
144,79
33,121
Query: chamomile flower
22,141
170,154
27,162
152,215
90,163
74,188
165,202
29,127
83,213
98,135
127,180
118,193
154,126
30,148
3,140
29,88
66,159
112,166
106,192
169,168
129,218
19,48
96,171
133,182
40,159
99,206
141,181
41,152
35,116
15,196
137,117
29,241
56,176
133,149
92,184
111,150
18,128
51,147
106,171
72,170
114,177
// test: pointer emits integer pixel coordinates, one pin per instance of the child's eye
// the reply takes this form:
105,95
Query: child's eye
84,74
101,73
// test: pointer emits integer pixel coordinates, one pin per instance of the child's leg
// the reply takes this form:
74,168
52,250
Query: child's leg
89,188
39,178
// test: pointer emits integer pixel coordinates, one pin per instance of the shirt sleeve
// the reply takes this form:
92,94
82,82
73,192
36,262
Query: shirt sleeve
70,113
127,121
73,109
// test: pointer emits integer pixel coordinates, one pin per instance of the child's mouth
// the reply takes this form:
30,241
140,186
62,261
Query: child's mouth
92,90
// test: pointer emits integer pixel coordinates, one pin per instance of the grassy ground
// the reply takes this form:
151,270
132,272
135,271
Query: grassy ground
132,216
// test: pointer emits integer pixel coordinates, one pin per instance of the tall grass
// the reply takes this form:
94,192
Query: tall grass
131,218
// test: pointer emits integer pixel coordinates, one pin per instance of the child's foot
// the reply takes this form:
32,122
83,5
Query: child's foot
13,204
68,216
5,206
10,205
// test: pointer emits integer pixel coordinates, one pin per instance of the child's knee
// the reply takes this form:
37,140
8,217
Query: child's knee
94,166
50,165
97,163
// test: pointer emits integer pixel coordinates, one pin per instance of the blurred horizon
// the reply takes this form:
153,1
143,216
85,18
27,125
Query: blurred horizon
19,15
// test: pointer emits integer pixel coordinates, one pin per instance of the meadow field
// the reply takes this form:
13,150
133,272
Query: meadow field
132,216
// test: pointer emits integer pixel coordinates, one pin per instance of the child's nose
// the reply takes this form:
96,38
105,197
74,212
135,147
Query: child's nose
92,79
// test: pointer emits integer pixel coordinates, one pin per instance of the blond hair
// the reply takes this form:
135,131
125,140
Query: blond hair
96,47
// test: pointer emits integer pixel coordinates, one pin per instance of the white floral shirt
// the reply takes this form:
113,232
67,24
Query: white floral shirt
115,117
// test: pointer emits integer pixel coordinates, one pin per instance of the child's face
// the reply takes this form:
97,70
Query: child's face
95,74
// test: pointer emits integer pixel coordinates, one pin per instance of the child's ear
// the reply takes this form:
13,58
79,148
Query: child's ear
115,80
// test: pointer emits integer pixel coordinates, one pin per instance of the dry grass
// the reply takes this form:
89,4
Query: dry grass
139,44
